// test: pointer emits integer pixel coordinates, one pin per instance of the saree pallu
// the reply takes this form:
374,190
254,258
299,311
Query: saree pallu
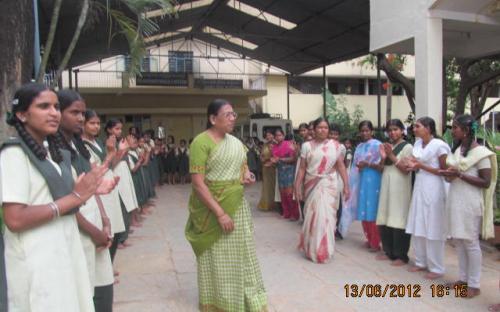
321,191
229,278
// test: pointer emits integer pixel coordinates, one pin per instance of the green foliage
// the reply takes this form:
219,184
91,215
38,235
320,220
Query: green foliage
135,30
337,112
452,86
398,61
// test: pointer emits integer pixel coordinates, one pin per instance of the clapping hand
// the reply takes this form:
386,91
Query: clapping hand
111,144
123,145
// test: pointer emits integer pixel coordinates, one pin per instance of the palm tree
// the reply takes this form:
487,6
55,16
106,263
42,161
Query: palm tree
133,30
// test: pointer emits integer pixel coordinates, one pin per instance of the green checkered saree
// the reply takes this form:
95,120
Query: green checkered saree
229,277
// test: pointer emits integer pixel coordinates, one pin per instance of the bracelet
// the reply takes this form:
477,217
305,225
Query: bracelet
77,195
55,210
220,215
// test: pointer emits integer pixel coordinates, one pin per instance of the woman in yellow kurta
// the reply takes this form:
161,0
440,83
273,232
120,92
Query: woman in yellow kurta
219,227
395,196
268,175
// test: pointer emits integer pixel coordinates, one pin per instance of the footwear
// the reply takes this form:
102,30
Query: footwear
382,257
374,249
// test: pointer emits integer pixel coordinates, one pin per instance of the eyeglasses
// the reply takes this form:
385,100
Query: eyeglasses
228,115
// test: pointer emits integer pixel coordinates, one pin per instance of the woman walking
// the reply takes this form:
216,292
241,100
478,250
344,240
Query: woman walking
266,201
426,219
364,182
395,196
220,227
472,171
320,165
284,156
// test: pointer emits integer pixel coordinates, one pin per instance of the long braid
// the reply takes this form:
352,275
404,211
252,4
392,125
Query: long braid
37,149
54,148
80,146
66,145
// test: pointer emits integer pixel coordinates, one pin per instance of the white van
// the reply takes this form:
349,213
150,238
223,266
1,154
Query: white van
258,124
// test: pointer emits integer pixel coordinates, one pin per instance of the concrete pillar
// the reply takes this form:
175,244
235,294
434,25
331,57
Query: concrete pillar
429,70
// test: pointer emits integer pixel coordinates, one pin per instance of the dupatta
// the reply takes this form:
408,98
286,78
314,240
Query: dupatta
368,151
465,163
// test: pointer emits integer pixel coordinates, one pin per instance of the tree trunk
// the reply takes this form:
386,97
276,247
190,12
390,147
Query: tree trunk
74,40
50,40
16,49
388,108
395,76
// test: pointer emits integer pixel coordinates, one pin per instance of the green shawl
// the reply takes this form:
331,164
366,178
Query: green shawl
222,165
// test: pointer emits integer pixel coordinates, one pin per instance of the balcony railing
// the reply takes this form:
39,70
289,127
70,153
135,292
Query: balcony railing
199,80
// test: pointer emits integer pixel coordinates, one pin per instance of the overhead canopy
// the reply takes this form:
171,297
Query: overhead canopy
294,35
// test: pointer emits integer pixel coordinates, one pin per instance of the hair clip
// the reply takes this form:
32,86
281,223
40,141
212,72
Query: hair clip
474,126
15,101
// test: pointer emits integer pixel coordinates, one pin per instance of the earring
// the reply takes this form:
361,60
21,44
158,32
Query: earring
23,120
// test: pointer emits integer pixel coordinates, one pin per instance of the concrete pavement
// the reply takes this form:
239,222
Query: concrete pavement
158,272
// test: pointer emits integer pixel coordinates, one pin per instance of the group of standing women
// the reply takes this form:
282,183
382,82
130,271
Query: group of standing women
176,161
451,197
67,200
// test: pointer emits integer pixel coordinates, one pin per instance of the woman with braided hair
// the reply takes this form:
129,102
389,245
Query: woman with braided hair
93,222
45,262
469,207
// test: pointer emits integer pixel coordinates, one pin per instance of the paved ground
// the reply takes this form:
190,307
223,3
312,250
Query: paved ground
158,273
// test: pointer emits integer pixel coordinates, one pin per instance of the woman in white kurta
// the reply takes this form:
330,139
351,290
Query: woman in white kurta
121,169
111,201
472,172
45,262
426,219
395,196
92,220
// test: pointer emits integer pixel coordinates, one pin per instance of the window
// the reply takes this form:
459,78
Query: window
397,89
346,86
307,85
180,61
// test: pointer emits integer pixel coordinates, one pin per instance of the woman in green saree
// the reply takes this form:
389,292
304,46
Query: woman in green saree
219,227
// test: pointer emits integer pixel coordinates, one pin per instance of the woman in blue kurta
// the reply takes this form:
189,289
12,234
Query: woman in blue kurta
365,177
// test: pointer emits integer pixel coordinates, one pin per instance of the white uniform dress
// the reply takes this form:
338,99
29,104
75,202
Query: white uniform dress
427,216
46,269
98,262
110,201
126,186
427,211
